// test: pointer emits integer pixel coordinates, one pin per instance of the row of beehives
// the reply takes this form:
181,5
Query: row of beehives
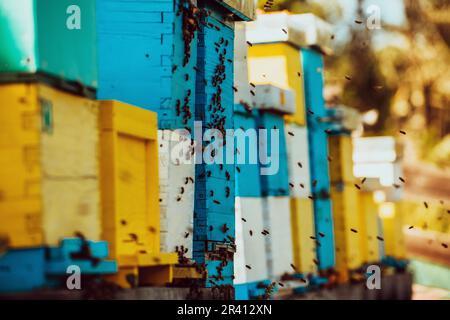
57,199
312,222
48,170
78,171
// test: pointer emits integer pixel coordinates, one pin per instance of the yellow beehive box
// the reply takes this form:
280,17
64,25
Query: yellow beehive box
279,64
391,216
302,225
347,228
370,242
129,191
340,151
48,165
348,224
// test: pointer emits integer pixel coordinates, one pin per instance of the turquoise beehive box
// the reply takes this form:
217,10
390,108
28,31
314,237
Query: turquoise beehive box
50,38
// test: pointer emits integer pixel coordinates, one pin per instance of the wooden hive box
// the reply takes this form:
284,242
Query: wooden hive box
369,228
129,184
349,226
49,178
279,64
52,37
302,211
392,218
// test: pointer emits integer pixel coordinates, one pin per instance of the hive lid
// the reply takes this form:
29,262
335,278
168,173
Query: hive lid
268,96
301,30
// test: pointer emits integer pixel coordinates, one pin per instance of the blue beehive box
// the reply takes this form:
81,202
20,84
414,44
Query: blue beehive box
214,185
276,181
51,40
22,270
219,273
247,174
251,290
71,251
36,268
318,155
214,188
144,60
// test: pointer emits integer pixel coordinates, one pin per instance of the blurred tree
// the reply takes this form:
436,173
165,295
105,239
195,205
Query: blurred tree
356,68
422,100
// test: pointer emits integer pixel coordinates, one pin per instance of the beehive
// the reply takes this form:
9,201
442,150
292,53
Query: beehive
214,187
302,225
391,216
312,63
144,59
176,190
49,181
28,269
129,190
349,225
52,37
279,64
346,208
301,30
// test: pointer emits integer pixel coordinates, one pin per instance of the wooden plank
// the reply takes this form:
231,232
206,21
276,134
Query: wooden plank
50,168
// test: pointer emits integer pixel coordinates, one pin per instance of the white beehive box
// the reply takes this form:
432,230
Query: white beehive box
176,183
301,30
279,248
298,160
250,249
379,160
271,97
241,82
